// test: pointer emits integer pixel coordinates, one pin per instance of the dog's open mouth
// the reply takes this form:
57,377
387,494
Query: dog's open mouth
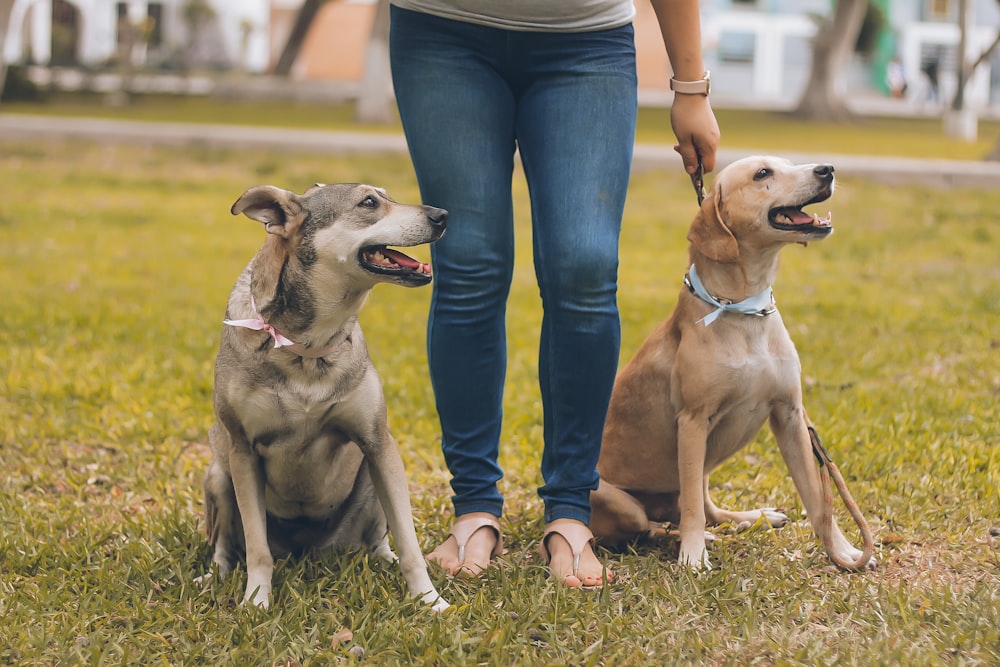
389,262
794,219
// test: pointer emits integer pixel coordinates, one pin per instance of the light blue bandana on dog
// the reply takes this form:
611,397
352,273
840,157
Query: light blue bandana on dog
759,304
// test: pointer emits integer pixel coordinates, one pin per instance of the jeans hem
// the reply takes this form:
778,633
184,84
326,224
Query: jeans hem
567,512
490,507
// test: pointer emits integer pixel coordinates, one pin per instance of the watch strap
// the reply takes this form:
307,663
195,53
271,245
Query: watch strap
701,86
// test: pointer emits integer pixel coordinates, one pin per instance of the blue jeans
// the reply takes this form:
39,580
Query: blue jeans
468,95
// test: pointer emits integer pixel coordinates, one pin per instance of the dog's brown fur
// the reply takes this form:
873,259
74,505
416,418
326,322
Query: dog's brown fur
695,394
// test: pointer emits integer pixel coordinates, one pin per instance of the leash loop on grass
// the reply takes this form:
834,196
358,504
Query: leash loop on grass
828,469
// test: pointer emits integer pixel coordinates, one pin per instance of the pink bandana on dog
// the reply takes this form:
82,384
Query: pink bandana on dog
258,323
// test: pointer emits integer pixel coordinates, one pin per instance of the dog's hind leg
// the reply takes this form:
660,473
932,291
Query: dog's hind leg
376,538
221,518
742,520
617,516
384,551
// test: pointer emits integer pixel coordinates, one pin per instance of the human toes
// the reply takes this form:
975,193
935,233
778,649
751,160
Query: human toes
445,555
479,552
568,551
473,541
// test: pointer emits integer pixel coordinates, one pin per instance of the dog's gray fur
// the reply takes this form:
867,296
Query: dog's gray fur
302,454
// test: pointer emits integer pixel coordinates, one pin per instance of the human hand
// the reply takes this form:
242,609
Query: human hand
697,131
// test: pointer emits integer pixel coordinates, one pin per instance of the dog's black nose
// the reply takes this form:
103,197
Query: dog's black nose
437,216
824,170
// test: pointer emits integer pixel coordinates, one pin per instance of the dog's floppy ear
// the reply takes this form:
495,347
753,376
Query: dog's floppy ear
278,209
709,233
282,214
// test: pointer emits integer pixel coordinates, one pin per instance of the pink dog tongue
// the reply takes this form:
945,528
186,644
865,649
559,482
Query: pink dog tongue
798,217
404,260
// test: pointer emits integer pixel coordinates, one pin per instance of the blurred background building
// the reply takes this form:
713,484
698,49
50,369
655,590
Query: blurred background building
757,50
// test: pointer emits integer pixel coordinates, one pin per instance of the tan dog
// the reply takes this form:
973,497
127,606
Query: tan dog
302,457
704,382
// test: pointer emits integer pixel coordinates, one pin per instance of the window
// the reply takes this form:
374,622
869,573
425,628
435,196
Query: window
941,10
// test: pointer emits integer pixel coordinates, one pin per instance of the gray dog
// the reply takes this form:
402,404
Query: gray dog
302,456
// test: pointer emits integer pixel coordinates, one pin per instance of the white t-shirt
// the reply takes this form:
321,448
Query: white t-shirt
531,15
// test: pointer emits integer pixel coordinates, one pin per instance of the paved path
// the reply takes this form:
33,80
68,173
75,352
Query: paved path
943,173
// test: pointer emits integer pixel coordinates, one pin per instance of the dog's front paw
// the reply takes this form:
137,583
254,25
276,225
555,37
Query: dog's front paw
845,555
849,558
695,556
258,595
439,605
434,599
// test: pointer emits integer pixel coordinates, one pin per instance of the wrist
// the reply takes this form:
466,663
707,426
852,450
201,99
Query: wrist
700,86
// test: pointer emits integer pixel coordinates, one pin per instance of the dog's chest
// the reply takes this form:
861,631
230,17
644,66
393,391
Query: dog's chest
301,430
756,356
767,370
737,368
297,405
762,375
310,478
308,460
306,404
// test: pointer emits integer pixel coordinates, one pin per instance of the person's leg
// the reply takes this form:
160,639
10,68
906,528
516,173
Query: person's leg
458,115
576,128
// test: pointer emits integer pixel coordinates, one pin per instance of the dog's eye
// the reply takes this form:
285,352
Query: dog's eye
369,202
761,174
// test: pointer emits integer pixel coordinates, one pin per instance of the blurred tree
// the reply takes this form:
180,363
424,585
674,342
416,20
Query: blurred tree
835,42
959,120
375,97
132,36
987,52
994,154
203,44
300,29
6,8
374,100
247,29
196,13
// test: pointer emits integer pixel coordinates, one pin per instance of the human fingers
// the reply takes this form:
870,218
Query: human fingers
689,156
697,132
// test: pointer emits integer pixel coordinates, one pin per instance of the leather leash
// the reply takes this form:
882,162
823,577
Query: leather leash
828,469
698,181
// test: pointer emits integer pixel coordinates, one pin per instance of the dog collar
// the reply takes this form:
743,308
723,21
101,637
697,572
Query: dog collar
759,304
258,323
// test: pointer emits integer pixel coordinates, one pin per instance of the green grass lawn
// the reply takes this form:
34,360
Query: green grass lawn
116,264
741,128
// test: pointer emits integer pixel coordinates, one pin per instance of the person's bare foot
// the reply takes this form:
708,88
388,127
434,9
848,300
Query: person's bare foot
474,540
567,548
